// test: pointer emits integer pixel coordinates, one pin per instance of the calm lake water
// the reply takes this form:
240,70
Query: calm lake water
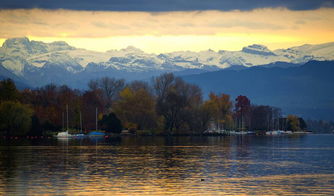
251,165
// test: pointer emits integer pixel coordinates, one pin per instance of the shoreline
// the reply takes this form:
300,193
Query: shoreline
151,135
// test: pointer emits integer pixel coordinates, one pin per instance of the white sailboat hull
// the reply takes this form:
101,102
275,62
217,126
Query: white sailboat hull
63,134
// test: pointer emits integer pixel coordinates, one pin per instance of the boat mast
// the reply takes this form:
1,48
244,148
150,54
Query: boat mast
80,123
63,127
96,118
67,116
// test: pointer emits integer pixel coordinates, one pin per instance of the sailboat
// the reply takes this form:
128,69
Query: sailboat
64,134
276,129
96,133
80,134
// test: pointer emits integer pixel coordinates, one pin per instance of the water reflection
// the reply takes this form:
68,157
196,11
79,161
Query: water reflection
175,166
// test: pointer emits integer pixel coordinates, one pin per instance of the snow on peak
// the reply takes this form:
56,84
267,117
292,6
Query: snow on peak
257,49
16,53
59,45
23,47
132,49
14,42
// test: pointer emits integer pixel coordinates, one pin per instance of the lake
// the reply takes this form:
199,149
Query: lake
231,165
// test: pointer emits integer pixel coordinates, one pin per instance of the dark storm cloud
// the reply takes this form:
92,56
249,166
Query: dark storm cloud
165,5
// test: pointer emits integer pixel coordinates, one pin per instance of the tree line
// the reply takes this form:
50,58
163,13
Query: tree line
167,105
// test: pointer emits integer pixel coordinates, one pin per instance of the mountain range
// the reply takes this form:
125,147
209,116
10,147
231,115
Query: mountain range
297,79
35,63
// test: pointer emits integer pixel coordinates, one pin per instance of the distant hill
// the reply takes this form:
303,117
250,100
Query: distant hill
5,74
306,90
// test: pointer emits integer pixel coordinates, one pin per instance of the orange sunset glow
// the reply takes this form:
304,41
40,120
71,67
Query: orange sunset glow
175,31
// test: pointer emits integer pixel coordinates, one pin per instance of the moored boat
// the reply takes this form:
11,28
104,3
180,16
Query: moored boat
64,135
96,134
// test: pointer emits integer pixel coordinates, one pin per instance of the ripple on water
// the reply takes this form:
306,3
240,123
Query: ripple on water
224,166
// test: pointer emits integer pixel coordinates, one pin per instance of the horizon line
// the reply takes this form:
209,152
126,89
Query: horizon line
52,40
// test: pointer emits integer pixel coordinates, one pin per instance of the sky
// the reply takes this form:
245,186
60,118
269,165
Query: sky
170,25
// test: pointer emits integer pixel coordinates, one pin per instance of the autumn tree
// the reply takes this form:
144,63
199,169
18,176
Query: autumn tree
293,123
220,108
175,101
198,119
111,123
302,124
137,85
72,99
136,109
261,117
162,86
15,118
242,111
190,117
45,105
8,91
110,87
49,105
93,85
91,100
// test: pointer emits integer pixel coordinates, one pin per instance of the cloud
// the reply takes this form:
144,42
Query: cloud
81,24
182,29
165,5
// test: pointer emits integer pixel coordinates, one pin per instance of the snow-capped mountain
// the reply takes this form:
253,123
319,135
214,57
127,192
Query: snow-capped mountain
41,63
18,53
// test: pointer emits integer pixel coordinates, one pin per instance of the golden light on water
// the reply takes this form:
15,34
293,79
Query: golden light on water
161,170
